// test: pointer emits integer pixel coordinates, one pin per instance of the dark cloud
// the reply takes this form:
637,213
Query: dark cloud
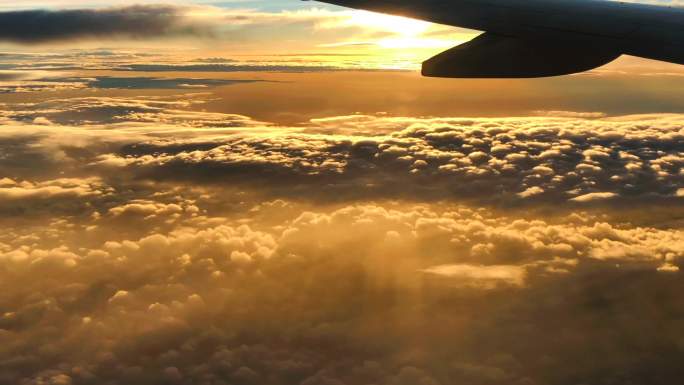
132,22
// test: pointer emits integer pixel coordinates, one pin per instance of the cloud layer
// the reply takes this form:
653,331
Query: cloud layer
146,241
515,160
157,291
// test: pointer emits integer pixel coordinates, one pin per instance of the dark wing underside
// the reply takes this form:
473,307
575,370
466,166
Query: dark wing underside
493,56
536,38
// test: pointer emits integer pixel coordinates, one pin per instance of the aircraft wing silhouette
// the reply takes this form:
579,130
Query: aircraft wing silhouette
537,38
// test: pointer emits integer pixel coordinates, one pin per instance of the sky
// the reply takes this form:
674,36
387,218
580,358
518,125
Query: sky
268,192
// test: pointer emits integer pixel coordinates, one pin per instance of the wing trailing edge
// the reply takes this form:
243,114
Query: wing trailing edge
494,56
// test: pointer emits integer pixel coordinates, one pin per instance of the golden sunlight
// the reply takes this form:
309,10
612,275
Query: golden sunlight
400,25
412,37
262,192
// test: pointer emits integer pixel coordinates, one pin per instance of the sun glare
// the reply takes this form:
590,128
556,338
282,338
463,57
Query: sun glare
400,32
396,24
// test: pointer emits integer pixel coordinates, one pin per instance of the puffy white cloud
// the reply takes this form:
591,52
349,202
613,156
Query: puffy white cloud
531,191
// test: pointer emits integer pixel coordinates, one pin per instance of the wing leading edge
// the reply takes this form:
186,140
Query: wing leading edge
538,38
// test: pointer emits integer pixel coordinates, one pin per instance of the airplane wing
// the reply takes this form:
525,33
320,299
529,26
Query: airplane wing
537,38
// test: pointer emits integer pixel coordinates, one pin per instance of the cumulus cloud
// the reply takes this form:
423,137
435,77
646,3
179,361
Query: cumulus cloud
515,160
146,241
257,301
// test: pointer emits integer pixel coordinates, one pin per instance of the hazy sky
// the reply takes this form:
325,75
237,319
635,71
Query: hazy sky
268,192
